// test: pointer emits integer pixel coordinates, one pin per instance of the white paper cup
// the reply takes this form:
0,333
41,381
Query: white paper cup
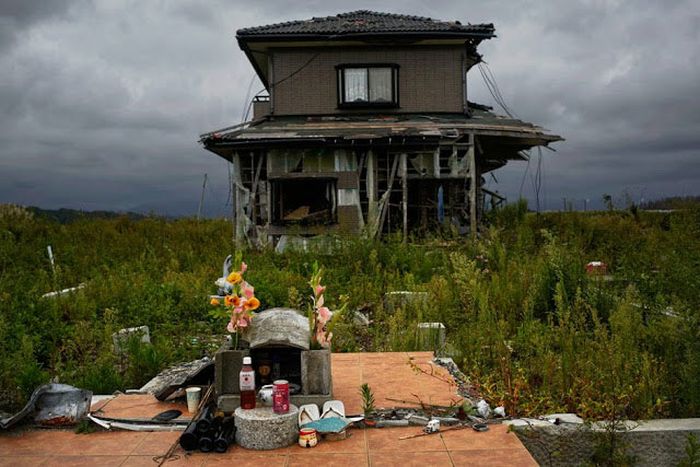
193,399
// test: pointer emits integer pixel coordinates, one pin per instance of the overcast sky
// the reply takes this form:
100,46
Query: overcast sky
102,102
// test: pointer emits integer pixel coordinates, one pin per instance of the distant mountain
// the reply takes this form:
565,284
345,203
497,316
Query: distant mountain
673,202
65,216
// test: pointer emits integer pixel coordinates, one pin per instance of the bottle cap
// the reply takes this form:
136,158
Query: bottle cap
247,361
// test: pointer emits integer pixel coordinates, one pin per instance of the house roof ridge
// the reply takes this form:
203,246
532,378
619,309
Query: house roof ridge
367,21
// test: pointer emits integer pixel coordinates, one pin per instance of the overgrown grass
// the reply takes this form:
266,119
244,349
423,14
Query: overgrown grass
524,321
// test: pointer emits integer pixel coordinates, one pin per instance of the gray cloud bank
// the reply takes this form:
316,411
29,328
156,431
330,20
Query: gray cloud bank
101,102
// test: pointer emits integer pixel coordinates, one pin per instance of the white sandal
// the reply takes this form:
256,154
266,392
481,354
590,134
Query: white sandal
308,413
333,408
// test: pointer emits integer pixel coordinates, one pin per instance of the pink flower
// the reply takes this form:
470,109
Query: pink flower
324,314
321,338
242,323
247,290
244,267
230,327
320,289
239,309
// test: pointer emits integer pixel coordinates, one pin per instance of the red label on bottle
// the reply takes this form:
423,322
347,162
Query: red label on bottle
247,381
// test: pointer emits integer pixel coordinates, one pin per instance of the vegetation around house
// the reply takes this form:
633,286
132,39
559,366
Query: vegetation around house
525,322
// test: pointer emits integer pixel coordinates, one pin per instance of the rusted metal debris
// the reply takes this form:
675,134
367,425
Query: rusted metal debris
53,405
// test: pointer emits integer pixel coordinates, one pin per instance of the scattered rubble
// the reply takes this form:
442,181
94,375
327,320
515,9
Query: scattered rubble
168,381
53,405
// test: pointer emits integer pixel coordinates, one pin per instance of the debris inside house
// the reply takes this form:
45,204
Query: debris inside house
358,139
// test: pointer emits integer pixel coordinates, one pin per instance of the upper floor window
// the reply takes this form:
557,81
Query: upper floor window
368,85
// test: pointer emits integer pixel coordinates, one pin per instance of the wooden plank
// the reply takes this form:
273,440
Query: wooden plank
254,191
404,194
371,188
436,162
471,156
385,198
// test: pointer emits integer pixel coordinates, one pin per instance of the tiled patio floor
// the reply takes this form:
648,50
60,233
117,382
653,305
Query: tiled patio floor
389,375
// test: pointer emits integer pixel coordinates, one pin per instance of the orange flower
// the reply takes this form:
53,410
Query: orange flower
232,300
215,302
234,278
251,304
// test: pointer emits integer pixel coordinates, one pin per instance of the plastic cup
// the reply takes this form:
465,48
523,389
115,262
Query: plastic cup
193,395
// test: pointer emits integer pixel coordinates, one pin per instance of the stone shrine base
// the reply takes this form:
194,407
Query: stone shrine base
262,429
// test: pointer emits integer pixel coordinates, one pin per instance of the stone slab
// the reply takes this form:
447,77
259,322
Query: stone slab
262,429
227,367
278,327
316,377
431,336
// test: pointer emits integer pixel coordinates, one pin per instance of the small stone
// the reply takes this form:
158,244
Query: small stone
385,423
448,420
564,418
431,336
122,337
418,420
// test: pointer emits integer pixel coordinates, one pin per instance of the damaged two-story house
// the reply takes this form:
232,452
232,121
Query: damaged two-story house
366,127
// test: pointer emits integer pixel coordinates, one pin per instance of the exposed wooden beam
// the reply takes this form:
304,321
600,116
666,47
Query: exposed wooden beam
404,194
371,162
471,157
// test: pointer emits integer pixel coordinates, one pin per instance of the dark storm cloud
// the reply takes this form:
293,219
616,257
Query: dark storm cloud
17,16
101,103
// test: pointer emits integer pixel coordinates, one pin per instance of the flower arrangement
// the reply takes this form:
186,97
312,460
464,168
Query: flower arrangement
239,301
320,316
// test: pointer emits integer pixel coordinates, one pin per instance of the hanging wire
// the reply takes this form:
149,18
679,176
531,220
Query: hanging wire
522,182
492,86
536,179
247,96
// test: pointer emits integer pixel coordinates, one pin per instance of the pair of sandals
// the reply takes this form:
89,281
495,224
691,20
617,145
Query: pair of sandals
331,420
309,412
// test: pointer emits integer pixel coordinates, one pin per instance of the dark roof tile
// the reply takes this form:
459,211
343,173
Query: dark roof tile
365,21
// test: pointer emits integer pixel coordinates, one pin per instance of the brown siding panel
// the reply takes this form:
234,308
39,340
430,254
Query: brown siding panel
348,180
430,78
260,109
348,219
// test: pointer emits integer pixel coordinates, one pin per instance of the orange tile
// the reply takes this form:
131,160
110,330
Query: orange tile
156,443
496,438
139,406
387,439
87,461
334,459
181,459
38,442
246,458
22,461
494,458
345,357
234,453
113,443
355,443
408,459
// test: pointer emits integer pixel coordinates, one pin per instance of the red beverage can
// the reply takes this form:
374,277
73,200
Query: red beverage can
280,396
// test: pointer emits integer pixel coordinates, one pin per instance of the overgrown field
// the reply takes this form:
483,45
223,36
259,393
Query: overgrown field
525,322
